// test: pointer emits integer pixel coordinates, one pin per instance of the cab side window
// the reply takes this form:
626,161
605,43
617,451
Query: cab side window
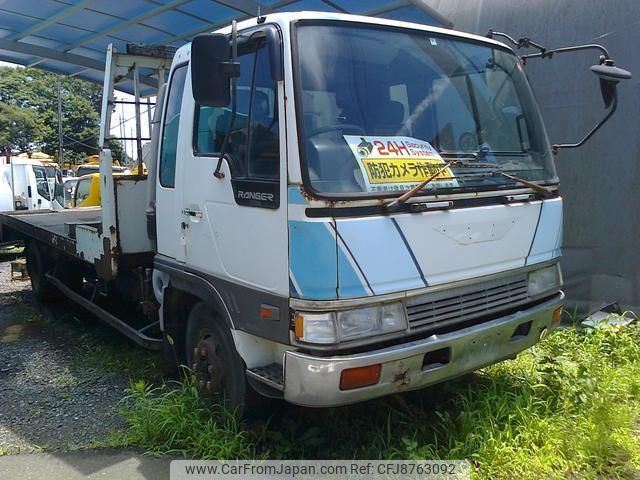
169,144
263,153
42,184
253,149
82,190
211,122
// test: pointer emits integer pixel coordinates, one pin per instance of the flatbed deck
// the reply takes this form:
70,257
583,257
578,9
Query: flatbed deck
52,227
57,229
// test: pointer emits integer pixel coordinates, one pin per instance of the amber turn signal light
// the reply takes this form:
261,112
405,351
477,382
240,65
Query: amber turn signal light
360,377
557,314
299,326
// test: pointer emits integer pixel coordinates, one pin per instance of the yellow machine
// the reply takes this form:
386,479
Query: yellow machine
87,193
43,157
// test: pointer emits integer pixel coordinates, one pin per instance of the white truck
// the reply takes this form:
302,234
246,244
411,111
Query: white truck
28,184
337,208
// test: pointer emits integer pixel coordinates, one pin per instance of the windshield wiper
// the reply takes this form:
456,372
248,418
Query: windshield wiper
545,192
498,169
495,171
407,195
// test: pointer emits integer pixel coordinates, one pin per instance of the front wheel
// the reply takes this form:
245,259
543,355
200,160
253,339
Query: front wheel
212,355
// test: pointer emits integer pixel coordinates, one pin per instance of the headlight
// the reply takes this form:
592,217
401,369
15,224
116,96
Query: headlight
316,327
334,327
544,280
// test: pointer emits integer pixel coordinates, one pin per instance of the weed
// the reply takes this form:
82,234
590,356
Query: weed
569,407
9,449
101,347
173,419
105,349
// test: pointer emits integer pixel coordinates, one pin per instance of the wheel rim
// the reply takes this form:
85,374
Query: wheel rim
207,365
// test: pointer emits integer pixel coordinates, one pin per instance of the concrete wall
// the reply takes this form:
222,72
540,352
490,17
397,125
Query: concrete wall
600,181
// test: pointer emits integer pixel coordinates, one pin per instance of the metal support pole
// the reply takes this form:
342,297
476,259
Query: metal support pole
161,74
131,136
149,116
7,153
136,90
122,136
60,133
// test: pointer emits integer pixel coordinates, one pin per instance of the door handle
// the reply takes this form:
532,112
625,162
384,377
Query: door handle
192,213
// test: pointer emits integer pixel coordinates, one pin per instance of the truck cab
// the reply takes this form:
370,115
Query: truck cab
330,295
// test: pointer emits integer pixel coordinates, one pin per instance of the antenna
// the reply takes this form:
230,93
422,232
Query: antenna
261,18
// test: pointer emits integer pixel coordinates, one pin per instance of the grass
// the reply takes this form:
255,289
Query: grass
568,408
105,349
176,421
98,346
8,449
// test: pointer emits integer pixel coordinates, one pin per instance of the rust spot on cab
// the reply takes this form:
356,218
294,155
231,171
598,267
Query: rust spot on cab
304,193
401,376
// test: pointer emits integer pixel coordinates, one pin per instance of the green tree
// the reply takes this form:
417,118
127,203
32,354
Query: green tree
117,152
36,91
18,127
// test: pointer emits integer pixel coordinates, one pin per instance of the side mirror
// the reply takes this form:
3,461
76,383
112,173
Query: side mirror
212,69
609,75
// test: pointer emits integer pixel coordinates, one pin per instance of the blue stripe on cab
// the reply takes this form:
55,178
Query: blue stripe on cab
548,237
312,260
381,253
295,196
557,252
349,285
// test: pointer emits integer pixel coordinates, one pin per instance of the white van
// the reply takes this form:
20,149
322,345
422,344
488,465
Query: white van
5,195
30,185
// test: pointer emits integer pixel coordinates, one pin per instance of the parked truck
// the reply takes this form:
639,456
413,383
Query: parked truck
337,208
28,182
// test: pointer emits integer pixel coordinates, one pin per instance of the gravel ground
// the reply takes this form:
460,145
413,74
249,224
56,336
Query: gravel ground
51,396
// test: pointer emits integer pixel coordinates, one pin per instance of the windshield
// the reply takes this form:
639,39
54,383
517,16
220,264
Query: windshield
383,109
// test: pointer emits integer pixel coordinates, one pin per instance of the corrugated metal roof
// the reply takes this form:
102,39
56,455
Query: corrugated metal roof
71,36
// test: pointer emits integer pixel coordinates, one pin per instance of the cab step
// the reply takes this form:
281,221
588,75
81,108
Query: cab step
271,375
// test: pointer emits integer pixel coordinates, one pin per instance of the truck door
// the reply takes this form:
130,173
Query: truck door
236,226
169,232
41,198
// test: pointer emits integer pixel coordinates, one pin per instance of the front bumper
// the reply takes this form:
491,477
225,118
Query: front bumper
315,381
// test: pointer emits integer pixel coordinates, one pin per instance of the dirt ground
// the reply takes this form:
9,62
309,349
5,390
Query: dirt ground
57,392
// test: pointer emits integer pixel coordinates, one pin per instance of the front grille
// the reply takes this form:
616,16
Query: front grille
465,303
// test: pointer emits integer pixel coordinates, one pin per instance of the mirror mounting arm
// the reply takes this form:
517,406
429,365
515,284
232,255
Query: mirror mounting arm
614,106
232,68
608,73
544,53
526,42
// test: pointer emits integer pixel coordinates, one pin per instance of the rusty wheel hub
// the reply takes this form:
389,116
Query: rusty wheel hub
207,366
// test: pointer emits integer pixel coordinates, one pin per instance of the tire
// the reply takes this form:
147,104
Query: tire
38,264
212,355
69,273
